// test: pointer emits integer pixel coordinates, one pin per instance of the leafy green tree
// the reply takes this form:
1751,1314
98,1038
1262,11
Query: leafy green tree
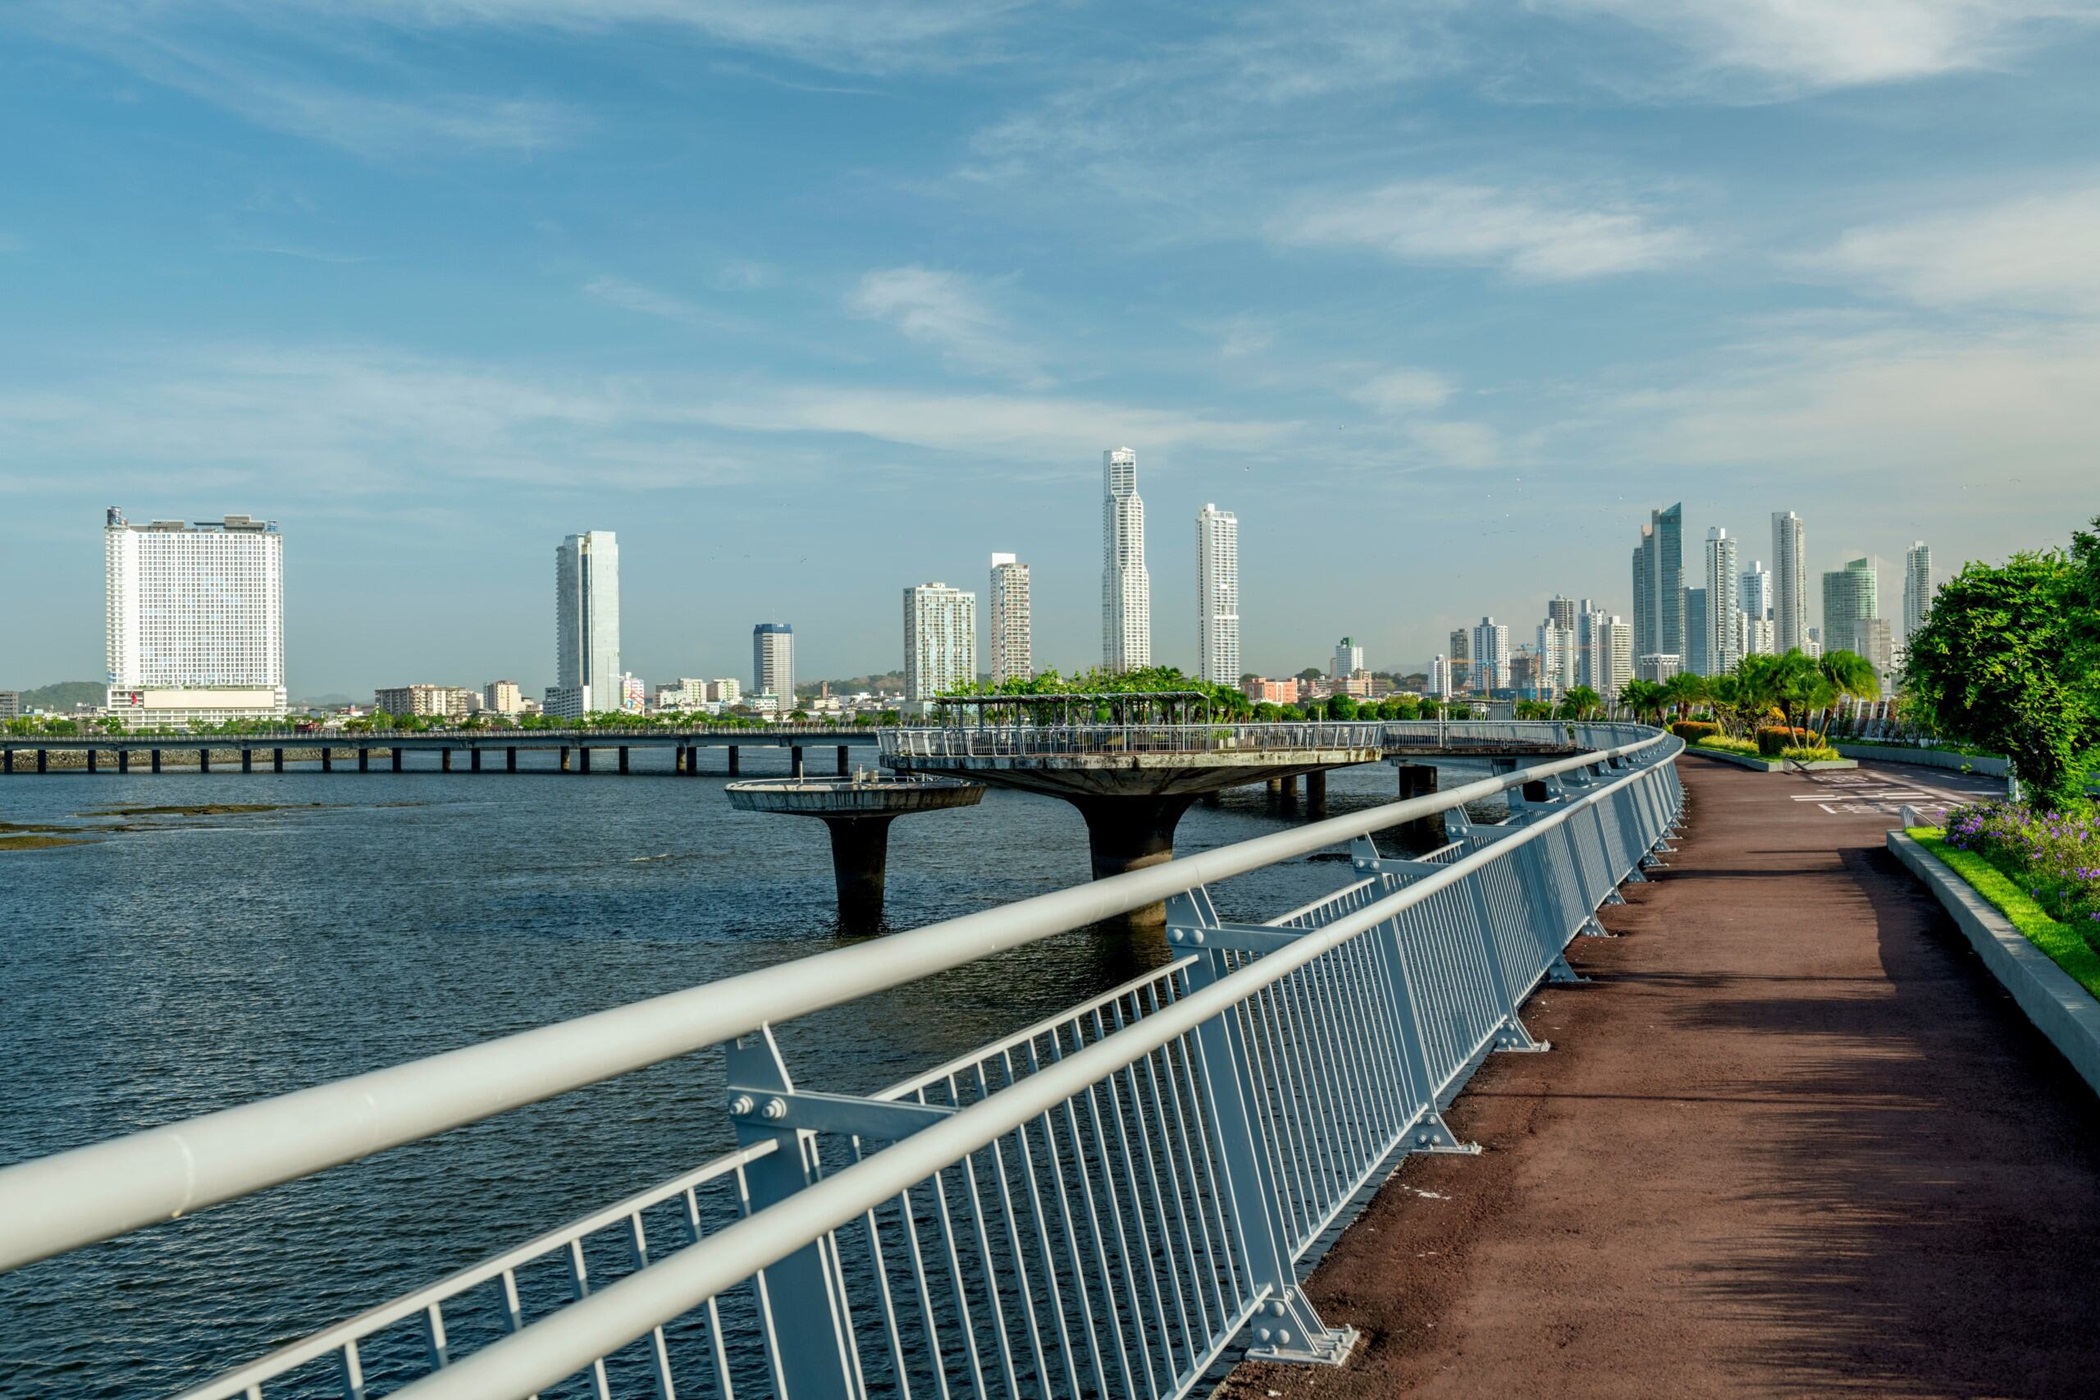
2004,662
1534,709
1682,691
1341,707
1643,700
1581,702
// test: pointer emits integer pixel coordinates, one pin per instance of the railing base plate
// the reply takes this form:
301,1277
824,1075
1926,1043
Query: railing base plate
1330,1348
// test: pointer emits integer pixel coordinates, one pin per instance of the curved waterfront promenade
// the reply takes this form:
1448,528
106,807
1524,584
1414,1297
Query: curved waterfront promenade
1790,1140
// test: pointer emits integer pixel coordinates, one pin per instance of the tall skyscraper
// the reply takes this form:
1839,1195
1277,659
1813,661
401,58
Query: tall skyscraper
1012,631
940,640
1851,596
586,625
1218,595
773,661
1724,581
1490,655
1126,585
1789,583
1917,588
1757,589
1461,659
1658,583
1561,612
195,620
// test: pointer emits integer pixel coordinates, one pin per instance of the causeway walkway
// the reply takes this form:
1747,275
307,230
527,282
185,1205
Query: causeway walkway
1790,1140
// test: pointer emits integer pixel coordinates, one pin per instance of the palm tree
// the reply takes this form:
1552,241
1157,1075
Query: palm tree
1684,690
1581,702
1643,700
1849,676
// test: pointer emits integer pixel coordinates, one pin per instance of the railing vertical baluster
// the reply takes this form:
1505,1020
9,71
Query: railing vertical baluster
808,1339
1287,1327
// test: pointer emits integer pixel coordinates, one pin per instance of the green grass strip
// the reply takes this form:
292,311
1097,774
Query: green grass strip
2065,947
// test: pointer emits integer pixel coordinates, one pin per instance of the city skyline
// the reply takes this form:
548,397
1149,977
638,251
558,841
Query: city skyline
1561,644
1503,277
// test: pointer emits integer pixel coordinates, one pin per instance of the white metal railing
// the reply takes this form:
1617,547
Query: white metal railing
961,741
1099,1204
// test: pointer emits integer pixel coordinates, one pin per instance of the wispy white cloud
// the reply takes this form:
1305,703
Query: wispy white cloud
364,420
1403,391
950,312
632,296
1817,44
2040,253
2002,420
1540,236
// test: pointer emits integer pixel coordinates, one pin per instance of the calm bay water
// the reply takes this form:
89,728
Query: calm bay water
178,965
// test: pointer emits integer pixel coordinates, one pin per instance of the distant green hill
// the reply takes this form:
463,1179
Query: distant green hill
64,696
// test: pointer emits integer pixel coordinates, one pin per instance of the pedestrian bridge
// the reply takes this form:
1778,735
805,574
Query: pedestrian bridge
1112,1202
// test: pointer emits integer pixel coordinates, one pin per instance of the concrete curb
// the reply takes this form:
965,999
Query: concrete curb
1765,765
1925,758
2058,1006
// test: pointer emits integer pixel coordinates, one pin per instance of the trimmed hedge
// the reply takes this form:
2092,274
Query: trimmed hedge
1693,730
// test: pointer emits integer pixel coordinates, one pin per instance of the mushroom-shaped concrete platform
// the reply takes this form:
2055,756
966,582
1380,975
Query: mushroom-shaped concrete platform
859,810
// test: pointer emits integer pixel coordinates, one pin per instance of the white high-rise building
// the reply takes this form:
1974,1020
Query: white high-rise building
1611,655
1218,595
1789,584
1917,588
1490,658
195,620
1558,650
1440,676
1126,586
1013,647
586,625
773,662
940,640
1724,581
1348,659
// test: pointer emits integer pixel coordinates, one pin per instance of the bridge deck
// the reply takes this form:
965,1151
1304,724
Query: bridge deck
1791,1140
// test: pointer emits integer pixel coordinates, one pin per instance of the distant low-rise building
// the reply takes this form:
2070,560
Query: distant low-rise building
1657,666
634,694
10,704
1263,691
438,701
503,698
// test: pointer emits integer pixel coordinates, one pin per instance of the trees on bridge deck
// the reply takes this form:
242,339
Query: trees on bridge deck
2009,660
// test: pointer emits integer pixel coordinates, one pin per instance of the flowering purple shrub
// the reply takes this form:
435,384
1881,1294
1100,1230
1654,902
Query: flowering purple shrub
2054,856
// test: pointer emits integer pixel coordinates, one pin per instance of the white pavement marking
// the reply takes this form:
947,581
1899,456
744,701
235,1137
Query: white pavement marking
1864,791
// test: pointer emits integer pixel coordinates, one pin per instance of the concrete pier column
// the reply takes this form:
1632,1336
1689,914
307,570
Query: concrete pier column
795,759
1316,794
327,759
845,764
247,759
1423,833
1275,786
692,760
123,760
623,758
564,758
277,760
91,759
678,761
474,759
364,760
7,760
1128,832
1287,798
583,758
860,848
43,760
204,760
735,765
444,760
510,759
395,754
156,760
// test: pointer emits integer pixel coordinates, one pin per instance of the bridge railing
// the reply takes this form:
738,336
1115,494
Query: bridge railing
1034,740
1102,1203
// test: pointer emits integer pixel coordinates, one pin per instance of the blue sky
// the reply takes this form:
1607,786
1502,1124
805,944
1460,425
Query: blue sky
810,302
